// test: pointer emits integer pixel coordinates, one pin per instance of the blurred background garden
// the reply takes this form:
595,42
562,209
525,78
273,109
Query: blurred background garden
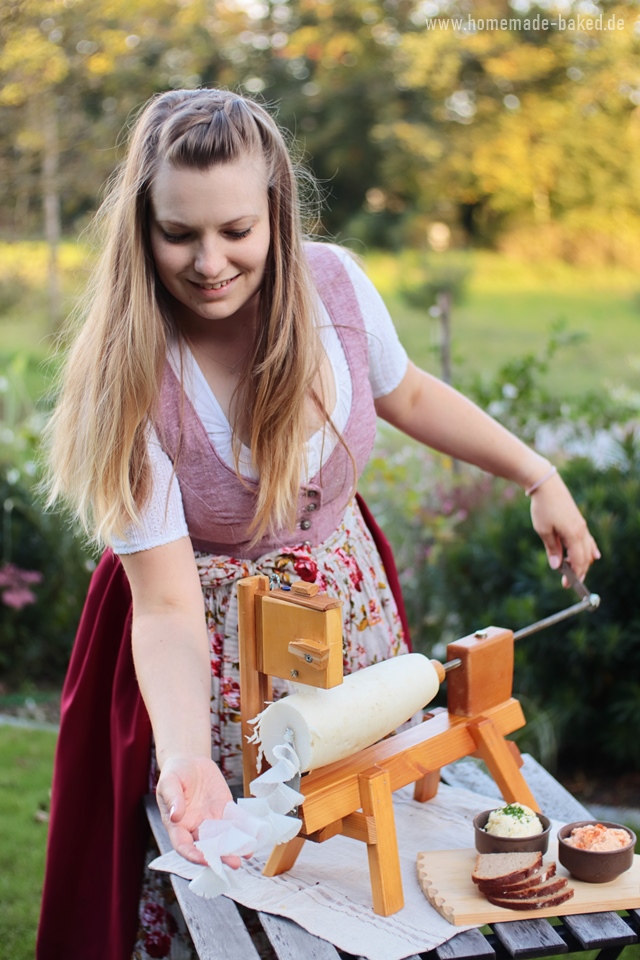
486,168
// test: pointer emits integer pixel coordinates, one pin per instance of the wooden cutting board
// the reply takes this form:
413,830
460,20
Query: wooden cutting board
445,877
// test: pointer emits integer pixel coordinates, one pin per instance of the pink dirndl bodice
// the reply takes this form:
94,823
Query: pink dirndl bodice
218,505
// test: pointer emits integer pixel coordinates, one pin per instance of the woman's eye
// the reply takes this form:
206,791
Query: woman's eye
175,237
239,234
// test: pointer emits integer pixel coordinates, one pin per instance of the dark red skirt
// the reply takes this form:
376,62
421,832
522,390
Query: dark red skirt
97,830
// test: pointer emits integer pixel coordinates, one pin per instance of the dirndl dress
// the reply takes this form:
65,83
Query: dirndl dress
346,565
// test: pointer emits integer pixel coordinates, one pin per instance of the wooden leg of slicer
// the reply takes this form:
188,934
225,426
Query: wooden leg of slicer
426,787
283,857
501,762
255,686
384,862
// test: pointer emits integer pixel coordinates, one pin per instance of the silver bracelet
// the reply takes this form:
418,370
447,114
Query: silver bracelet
538,483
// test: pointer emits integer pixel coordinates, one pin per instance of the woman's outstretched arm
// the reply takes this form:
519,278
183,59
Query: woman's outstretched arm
171,656
434,413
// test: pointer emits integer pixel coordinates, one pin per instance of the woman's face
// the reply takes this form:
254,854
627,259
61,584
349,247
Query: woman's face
210,239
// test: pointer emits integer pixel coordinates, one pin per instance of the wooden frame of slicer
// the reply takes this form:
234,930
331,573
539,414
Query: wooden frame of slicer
297,634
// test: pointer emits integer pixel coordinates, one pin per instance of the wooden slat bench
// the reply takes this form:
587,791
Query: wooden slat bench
219,928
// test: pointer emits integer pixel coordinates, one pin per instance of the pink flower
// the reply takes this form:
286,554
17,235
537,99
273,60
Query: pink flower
153,914
374,612
230,691
355,573
217,644
157,944
13,585
306,568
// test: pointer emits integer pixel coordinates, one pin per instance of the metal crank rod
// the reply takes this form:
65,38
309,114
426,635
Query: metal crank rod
588,601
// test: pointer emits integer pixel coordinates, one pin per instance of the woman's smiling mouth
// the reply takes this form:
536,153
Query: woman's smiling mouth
220,285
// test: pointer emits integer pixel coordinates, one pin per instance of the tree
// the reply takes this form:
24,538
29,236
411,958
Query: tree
522,126
501,133
326,67
33,66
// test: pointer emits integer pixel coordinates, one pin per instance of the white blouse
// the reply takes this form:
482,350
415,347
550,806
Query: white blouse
162,519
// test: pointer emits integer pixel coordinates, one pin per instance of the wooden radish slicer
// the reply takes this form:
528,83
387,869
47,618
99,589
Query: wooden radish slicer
297,635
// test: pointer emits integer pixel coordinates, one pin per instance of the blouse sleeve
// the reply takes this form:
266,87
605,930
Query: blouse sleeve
162,518
388,359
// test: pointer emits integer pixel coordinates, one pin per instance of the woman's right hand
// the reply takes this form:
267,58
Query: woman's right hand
191,789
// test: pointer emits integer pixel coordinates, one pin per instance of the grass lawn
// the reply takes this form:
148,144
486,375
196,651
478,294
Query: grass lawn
27,334
508,310
26,762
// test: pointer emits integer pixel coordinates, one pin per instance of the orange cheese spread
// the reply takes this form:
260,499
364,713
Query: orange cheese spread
595,836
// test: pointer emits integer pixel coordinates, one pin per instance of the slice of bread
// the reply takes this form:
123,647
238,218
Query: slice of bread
505,867
533,903
537,890
545,872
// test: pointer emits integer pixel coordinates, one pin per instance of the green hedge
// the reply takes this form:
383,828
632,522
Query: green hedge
36,639
582,676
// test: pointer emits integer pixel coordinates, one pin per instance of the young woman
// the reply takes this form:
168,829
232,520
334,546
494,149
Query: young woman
217,409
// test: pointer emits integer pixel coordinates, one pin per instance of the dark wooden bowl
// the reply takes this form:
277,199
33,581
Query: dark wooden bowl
595,866
486,843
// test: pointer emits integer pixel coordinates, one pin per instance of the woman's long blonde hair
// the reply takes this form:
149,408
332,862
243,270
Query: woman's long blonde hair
97,436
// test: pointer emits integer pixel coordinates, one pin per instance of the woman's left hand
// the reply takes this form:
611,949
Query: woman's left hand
562,528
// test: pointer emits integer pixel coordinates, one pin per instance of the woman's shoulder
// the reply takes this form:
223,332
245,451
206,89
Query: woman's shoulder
322,249
327,258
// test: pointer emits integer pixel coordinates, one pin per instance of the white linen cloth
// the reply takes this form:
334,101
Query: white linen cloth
249,827
328,890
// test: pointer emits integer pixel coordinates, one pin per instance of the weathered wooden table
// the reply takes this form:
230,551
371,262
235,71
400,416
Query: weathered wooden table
219,928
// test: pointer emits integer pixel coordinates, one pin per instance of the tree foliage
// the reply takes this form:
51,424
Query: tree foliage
524,127
520,135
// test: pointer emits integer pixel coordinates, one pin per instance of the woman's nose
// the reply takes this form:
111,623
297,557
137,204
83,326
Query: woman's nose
210,259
